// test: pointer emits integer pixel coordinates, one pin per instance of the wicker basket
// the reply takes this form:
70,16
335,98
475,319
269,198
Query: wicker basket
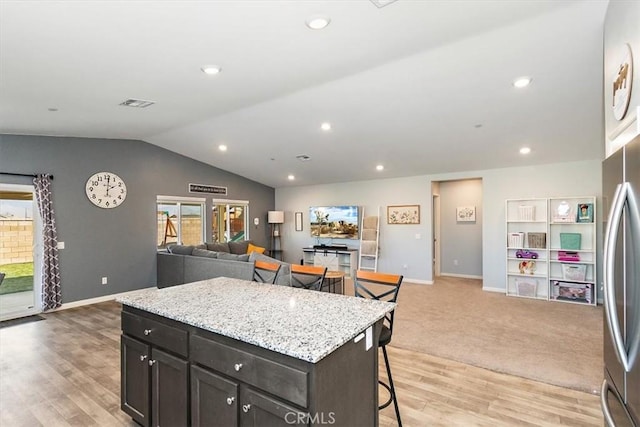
516,240
526,213
537,240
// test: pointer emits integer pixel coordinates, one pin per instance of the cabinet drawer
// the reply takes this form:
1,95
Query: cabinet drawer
276,378
155,333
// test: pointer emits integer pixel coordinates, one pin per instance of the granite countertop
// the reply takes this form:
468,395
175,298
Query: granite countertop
301,323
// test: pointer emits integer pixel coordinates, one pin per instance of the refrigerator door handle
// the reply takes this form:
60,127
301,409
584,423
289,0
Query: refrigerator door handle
604,403
611,237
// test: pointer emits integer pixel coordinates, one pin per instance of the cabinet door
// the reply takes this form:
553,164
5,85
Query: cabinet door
214,400
134,380
169,391
326,259
258,410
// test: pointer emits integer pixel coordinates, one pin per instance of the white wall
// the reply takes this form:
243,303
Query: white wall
398,243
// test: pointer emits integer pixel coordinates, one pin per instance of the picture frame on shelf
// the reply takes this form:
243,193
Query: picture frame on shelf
563,213
585,212
405,214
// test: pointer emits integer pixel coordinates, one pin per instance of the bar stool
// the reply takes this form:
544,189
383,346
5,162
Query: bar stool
383,287
307,276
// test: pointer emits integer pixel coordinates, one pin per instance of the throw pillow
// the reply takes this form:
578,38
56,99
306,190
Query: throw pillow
233,257
252,248
205,253
239,247
218,247
180,249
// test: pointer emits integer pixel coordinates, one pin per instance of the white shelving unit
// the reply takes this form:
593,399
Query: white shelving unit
369,241
526,216
563,237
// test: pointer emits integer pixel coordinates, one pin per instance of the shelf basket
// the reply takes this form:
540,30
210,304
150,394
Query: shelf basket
537,240
515,240
577,272
526,213
570,241
526,287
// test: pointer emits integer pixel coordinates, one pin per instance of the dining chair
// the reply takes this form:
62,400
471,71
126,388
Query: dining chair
266,272
307,276
382,287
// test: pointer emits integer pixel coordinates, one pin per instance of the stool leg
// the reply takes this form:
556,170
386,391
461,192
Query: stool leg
393,389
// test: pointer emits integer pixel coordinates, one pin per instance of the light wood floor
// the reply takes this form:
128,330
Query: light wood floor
65,370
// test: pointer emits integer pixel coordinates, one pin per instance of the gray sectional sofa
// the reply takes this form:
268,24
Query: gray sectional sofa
184,264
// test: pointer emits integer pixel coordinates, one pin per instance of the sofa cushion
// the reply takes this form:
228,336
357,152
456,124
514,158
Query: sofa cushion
204,253
252,248
233,257
218,247
239,247
180,249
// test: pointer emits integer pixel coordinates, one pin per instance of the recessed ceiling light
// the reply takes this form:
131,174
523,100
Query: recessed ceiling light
317,22
379,167
525,150
291,177
222,147
521,82
211,69
326,126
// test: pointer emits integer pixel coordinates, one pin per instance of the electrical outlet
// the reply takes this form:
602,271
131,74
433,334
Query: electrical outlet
60,245
455,262
104,280
405,265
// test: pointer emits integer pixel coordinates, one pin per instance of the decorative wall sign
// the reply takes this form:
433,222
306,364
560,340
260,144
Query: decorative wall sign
466,213
209,189
622,83
408,214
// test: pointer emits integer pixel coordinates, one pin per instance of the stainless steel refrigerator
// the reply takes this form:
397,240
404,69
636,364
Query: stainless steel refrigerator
620,396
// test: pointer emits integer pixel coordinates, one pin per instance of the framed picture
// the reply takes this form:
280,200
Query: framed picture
407,214
466,214
298,221
585,212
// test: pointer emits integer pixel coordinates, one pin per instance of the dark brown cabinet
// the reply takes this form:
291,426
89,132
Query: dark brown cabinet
175,375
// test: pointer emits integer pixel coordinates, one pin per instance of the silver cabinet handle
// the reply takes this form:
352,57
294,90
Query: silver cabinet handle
237,367
147,331
604,403
230,400
245,408
611,238
142,357
152,362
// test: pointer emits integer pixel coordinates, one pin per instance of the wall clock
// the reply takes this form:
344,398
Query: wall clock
106,190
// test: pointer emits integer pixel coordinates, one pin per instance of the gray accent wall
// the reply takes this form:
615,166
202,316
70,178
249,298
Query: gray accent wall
120,243
460,242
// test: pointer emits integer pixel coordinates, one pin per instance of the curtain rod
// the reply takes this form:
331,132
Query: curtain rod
24,174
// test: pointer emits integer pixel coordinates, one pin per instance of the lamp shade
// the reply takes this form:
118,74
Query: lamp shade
275,217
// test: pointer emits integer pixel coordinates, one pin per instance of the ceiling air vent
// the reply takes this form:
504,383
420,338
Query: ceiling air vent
303,158
137,103
382,3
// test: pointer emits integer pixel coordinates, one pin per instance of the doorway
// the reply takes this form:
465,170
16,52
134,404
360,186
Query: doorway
21,257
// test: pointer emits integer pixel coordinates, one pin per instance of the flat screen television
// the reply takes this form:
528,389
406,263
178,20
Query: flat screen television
337,222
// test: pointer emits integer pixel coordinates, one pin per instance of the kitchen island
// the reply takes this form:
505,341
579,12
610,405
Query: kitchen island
230,352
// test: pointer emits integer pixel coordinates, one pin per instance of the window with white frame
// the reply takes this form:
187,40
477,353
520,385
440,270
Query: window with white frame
180,220
229,220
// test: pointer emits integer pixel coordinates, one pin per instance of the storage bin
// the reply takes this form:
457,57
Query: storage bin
537,240
515,240
576,272
570,240
526,287
526,213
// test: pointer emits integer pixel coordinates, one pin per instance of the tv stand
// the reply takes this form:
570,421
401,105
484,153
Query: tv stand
334,257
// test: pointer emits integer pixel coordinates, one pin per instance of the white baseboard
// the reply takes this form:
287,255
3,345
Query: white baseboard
417,281
499,290
95,300
462,276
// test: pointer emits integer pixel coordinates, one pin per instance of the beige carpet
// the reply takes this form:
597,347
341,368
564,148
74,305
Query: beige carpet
556,343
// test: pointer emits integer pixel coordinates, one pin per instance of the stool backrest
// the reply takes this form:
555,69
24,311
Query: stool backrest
266,272
307,276
378,286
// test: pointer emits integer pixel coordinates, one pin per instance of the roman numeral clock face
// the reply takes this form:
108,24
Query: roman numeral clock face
106,190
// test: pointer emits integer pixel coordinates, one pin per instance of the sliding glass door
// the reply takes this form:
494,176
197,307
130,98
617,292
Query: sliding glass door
20,252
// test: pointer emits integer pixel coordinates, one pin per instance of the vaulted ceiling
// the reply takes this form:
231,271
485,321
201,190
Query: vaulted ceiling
420,87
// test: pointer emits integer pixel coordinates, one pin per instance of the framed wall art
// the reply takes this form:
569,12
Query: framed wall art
298,221
406,214
466,213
